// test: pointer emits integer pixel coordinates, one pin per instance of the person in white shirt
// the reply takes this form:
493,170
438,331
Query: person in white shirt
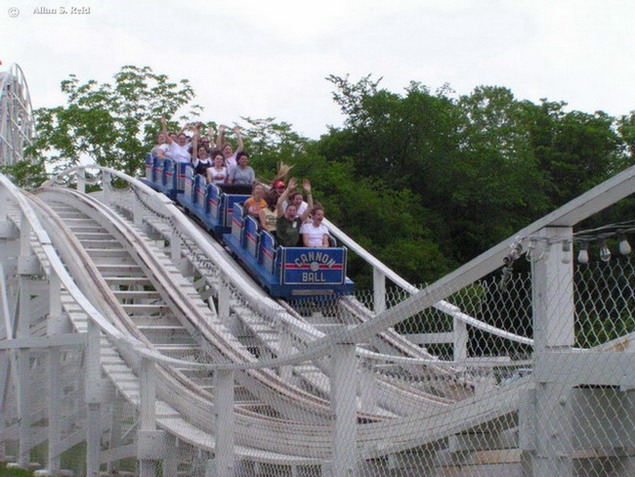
229,154
162,147
179,148
296,199
314,233
217,174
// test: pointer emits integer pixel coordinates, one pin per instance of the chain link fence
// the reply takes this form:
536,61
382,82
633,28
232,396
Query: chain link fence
452,386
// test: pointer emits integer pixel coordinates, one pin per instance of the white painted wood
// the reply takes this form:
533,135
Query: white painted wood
379,290
93,400
344,404
553,309
552,292
459,340
54,409
148,395
224,416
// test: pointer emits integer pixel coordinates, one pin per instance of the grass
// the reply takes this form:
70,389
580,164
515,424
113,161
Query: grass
4,472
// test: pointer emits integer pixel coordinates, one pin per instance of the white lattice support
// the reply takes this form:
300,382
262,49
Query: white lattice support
54,325
81,180
286,348
4,205
4,376
137,212
224,462
344,407
549,403
115,427
106,186
93,400
170,465
25,395
459,340
7,317
379,290
54,409
224,296
367,387
175,246
147,410
147,384
552,292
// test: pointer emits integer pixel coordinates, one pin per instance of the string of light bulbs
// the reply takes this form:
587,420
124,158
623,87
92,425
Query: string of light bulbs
538,246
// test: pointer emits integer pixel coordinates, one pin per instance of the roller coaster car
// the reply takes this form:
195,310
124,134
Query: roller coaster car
286,272
165,175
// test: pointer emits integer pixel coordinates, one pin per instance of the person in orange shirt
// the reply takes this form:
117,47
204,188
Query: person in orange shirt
256,202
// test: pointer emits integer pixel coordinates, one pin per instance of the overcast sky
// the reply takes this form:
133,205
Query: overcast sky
263,58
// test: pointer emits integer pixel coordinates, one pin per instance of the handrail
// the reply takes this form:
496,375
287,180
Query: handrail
443,305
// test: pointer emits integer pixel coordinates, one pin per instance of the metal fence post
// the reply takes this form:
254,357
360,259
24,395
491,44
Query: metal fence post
286,348
25,395
54,376
344,407
379,290
459,337
367,387
93,400
106,186
81,180
549,404
224,422
147,411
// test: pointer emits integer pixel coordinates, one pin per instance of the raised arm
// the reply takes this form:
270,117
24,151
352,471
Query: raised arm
309,199
164,129
210,135
164,125
220,140
239,138
283,197
195,138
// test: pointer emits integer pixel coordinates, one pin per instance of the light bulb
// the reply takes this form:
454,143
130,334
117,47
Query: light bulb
625,247
583,255
605,253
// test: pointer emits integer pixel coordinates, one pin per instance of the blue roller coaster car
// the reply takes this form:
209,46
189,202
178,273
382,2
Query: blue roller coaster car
286,272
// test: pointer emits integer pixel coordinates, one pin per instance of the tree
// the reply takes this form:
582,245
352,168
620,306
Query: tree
110,124
26,174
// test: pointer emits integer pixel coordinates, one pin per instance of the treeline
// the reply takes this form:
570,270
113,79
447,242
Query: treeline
429,180
424,180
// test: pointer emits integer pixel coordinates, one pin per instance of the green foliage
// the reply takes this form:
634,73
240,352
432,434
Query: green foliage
481,165
26,174
4,472
269,142
424,180
110,124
